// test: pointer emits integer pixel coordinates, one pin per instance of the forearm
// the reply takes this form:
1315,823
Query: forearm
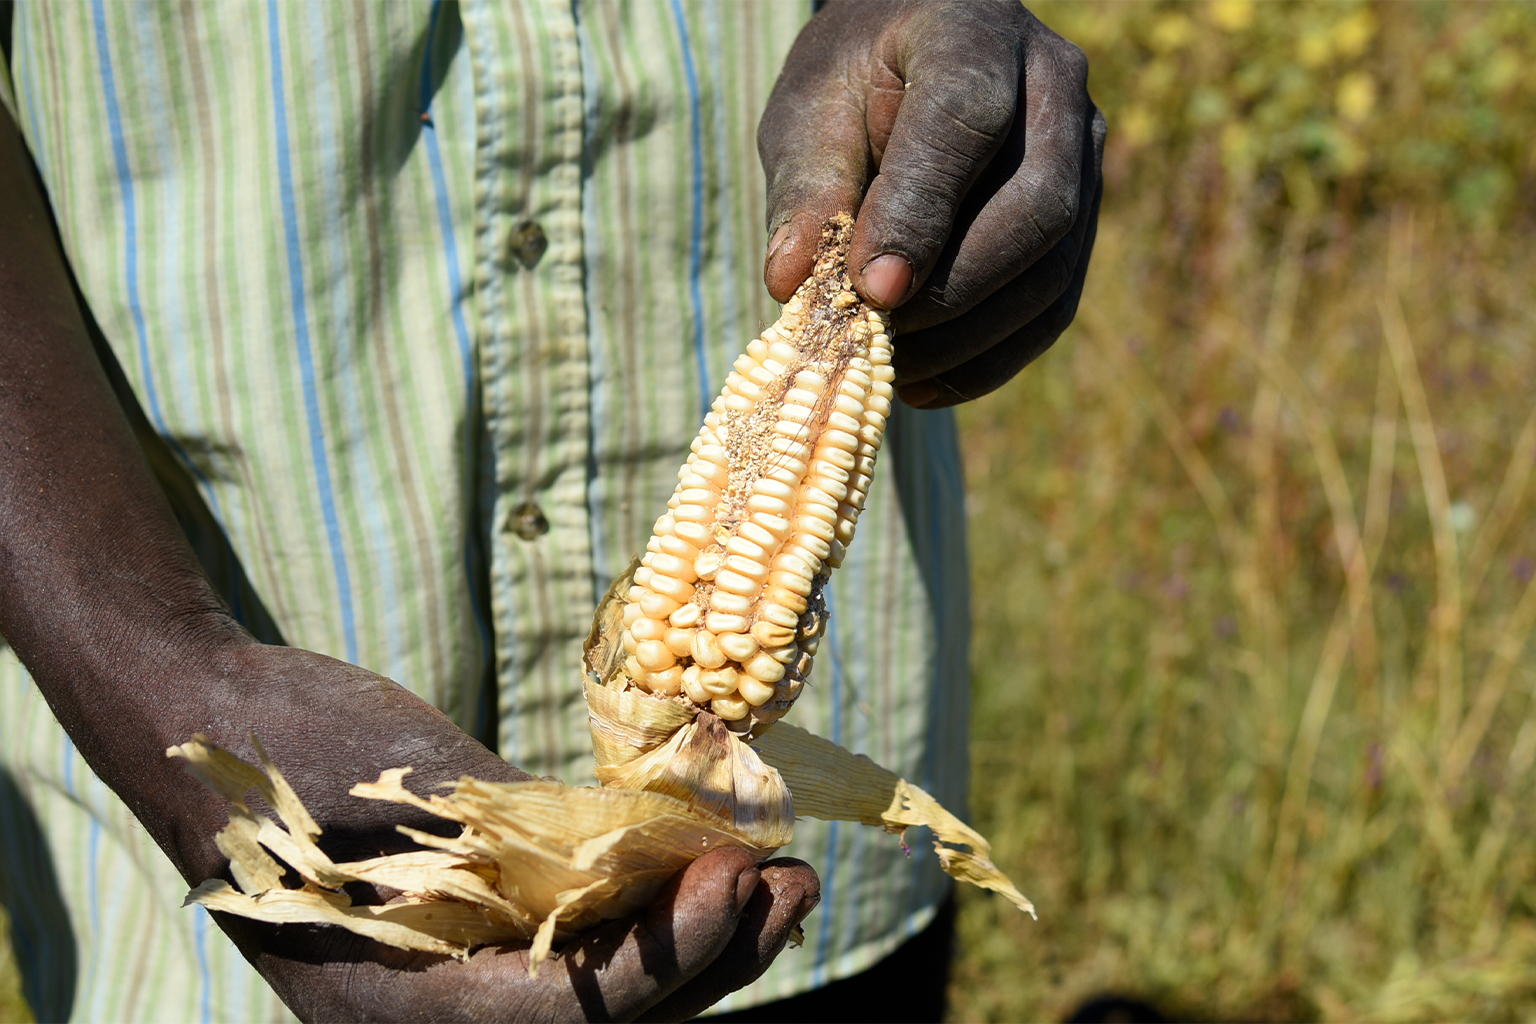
98,589
105,603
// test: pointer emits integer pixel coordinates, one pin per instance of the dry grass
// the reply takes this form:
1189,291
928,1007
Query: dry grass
1253,546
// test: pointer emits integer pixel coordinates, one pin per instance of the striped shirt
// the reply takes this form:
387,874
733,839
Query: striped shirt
423,303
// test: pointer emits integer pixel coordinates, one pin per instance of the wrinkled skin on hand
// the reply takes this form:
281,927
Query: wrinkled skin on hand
962,134
715,927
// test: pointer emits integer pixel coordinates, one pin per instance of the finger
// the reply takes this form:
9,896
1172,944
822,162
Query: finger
923,354
1031,199
618,975
620,969
815,154
788,892
999,364
961,65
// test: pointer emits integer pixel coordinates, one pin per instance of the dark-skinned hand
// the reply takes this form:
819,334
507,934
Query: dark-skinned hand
961,134
713,928
106,605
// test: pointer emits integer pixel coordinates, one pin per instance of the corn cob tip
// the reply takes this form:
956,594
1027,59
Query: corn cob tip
726,611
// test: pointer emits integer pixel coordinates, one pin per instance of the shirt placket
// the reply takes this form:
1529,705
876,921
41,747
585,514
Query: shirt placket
532,340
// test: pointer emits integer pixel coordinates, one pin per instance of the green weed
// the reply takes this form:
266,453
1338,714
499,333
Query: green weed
1254,721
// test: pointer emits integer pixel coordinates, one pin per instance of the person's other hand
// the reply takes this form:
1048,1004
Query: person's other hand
962,135
714,928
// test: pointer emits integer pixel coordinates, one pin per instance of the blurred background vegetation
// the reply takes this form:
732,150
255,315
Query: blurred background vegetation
1253,545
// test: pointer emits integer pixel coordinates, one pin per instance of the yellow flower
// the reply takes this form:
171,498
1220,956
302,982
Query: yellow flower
1356,96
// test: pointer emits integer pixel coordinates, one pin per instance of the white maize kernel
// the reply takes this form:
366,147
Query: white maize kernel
776,614
671,565
793,582
677,548
708,563
772,488
653,656
731,709
767,503
656,606
687,616
798,432
696,534
733,582
679,641
737,646
727,603
722,624
692,687
842,459
669,586
764,668
645,629
772,636
754,692
755,534
706,652
742,547
839,421
784,654
719,682
811,381
668,681
772,523
789,447
751,568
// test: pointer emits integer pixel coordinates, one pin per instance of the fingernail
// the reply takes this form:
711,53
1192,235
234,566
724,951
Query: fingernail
776,241
746,885
918,395
887,278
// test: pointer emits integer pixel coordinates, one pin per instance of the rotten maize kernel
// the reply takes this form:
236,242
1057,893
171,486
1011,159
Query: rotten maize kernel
729,598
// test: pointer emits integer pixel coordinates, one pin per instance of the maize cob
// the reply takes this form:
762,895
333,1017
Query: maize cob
726,608
699,647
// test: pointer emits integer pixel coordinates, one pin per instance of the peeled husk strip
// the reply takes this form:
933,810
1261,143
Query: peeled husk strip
536,862
540,862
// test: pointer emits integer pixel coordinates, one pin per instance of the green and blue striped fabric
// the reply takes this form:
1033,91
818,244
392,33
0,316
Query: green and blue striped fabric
423,303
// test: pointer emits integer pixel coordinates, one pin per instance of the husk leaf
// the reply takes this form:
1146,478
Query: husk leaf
536,861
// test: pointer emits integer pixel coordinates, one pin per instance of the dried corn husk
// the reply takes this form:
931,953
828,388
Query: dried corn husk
540,862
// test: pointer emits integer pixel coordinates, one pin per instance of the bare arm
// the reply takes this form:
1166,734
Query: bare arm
105,604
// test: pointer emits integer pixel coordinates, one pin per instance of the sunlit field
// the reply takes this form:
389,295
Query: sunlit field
1253,545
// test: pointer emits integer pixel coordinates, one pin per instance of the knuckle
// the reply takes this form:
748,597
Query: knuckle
1047,212
976,99
1074,62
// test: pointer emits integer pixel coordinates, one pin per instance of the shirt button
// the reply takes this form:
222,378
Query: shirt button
527,243
528,522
